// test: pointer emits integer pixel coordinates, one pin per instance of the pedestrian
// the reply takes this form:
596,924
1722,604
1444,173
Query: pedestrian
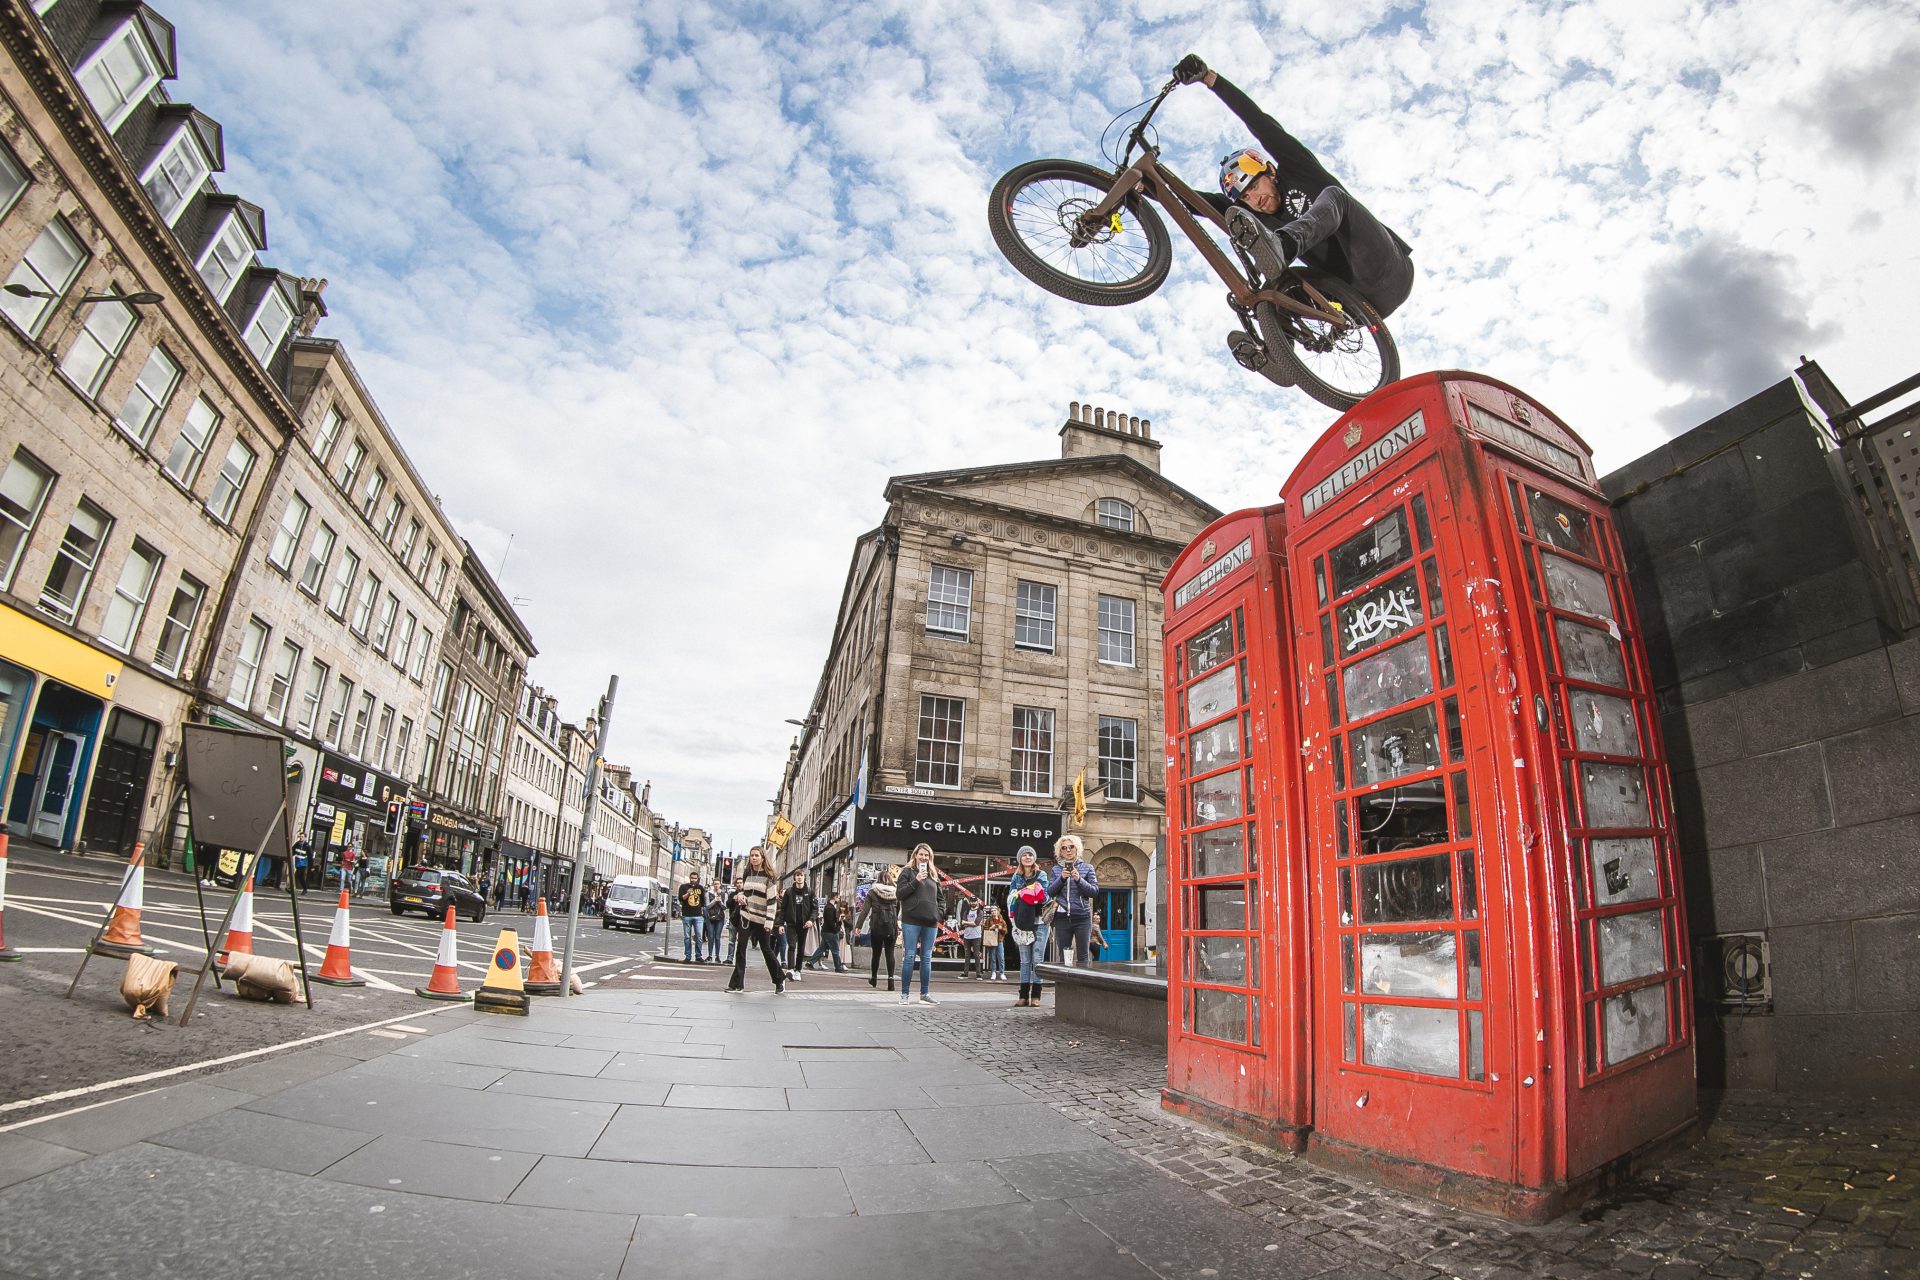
830,923
796,913
735,927
347,857
500,891
1073,886
1026,904
693,918
919,895
716,919
302,855
880,912
755,893
526,891
992,930
970,936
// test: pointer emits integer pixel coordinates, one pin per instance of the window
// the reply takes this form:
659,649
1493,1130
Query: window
190,450
271,320
231,482
363,608
949,602
148,399
376,484
405,550
403,650
176,632
286,539
439,577
1119,757
418,671
23,494
328,435
13,180
383,630
390,522
362,720
943,723
177,173
51,263
1116,631
130,595
383,738
74,563
343,584
280,687
402,745
1112,513
350,465
1032,751
227,258
319,675
96,348
1033,606
318,554
246,664
119,74
337,719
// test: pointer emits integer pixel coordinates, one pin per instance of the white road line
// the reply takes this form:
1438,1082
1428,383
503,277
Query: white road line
104,1085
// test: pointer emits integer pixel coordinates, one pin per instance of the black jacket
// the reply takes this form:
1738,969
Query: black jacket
919,896
882,916
796,907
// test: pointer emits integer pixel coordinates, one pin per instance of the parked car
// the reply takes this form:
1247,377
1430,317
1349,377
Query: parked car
634,902
432,890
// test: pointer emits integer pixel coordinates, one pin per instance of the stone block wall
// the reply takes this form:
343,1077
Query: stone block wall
1791,711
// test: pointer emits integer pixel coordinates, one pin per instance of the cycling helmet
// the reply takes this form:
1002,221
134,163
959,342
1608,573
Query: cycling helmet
1237,171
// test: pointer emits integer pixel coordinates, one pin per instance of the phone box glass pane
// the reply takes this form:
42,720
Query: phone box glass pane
1213,696
1631,947
1380,613
1616,795
1223,907
1604,724
1218,798
1635,1023
1210,648
1213,748
1412,1039
1221,960
1624,870
1575,587
1386,749
1407,890
1220,1014
1219,853
1564,525
1382,681
1588,653
1409,964
1405,817
1371,552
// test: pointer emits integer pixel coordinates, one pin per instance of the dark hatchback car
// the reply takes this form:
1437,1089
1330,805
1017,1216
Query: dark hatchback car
431,890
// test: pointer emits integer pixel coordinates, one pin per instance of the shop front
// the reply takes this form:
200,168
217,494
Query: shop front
457,841
54,692
351,814
829,859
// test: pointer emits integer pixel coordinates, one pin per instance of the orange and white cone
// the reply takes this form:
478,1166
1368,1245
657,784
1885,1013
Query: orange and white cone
543,975
122,937
337,969
6,952
444,984
240,929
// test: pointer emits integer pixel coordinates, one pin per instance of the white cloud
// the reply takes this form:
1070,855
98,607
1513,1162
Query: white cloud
666,291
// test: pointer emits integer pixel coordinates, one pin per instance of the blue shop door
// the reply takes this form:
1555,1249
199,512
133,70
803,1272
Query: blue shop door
1116,923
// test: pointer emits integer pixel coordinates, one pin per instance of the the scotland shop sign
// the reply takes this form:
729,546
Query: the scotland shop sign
954,828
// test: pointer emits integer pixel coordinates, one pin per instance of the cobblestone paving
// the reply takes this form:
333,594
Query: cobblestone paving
1777,1186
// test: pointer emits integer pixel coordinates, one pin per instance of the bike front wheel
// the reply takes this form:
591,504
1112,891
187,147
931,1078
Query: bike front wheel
1338,365
1034,214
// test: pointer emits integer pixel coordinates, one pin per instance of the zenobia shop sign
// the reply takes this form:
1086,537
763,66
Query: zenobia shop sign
954,828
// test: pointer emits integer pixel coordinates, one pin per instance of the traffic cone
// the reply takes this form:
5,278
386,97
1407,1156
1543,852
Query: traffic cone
543,975
240,930
337,969
445,982
122,937
6,952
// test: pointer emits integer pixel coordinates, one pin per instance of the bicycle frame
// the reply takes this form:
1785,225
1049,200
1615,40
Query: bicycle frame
1183,204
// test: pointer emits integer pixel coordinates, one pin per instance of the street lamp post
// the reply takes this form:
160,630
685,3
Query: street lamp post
138,298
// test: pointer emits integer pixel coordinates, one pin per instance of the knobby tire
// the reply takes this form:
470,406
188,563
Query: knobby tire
1029,213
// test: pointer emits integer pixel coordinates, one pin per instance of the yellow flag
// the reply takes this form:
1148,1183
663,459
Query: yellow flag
1080,799
780,832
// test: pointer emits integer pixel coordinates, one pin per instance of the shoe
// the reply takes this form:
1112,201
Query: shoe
736,991
780,990
889,984
1251,354
795,975
905,998
875,982
928,1000
1265,247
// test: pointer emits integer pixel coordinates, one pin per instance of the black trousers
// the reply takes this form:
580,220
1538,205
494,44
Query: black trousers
1376,265
758,935
876,946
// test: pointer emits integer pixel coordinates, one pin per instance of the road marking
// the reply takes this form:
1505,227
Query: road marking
51,951
103,1086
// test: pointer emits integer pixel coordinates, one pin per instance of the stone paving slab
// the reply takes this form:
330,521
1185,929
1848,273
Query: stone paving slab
672,1190
771,1139
918,1188
421,1167
646,1093
100,1129
22,1157
266,1141
507,1122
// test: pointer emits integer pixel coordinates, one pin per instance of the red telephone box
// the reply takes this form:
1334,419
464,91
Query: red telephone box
1497,971
1236,942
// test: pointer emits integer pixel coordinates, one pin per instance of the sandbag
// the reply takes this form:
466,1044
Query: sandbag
146,984
258,978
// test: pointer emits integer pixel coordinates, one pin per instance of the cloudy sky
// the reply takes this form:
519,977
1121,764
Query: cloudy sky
663,291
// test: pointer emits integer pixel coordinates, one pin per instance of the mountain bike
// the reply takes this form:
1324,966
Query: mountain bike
1092,236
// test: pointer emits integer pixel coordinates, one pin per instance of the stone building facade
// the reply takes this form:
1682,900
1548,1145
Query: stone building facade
998,638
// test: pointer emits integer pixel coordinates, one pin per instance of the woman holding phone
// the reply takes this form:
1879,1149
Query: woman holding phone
919,897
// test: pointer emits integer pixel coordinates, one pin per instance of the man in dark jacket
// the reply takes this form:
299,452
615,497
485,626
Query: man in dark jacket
796,913
693,918
1285,205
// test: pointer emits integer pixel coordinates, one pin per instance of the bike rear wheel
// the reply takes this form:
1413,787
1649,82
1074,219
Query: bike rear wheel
1338,366
1034,212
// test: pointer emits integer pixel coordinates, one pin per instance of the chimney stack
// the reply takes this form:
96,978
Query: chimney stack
1091,430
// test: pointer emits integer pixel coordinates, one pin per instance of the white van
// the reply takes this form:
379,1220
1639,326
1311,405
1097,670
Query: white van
634,902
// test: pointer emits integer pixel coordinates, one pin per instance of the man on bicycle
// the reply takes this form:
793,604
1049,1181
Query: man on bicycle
1288,206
